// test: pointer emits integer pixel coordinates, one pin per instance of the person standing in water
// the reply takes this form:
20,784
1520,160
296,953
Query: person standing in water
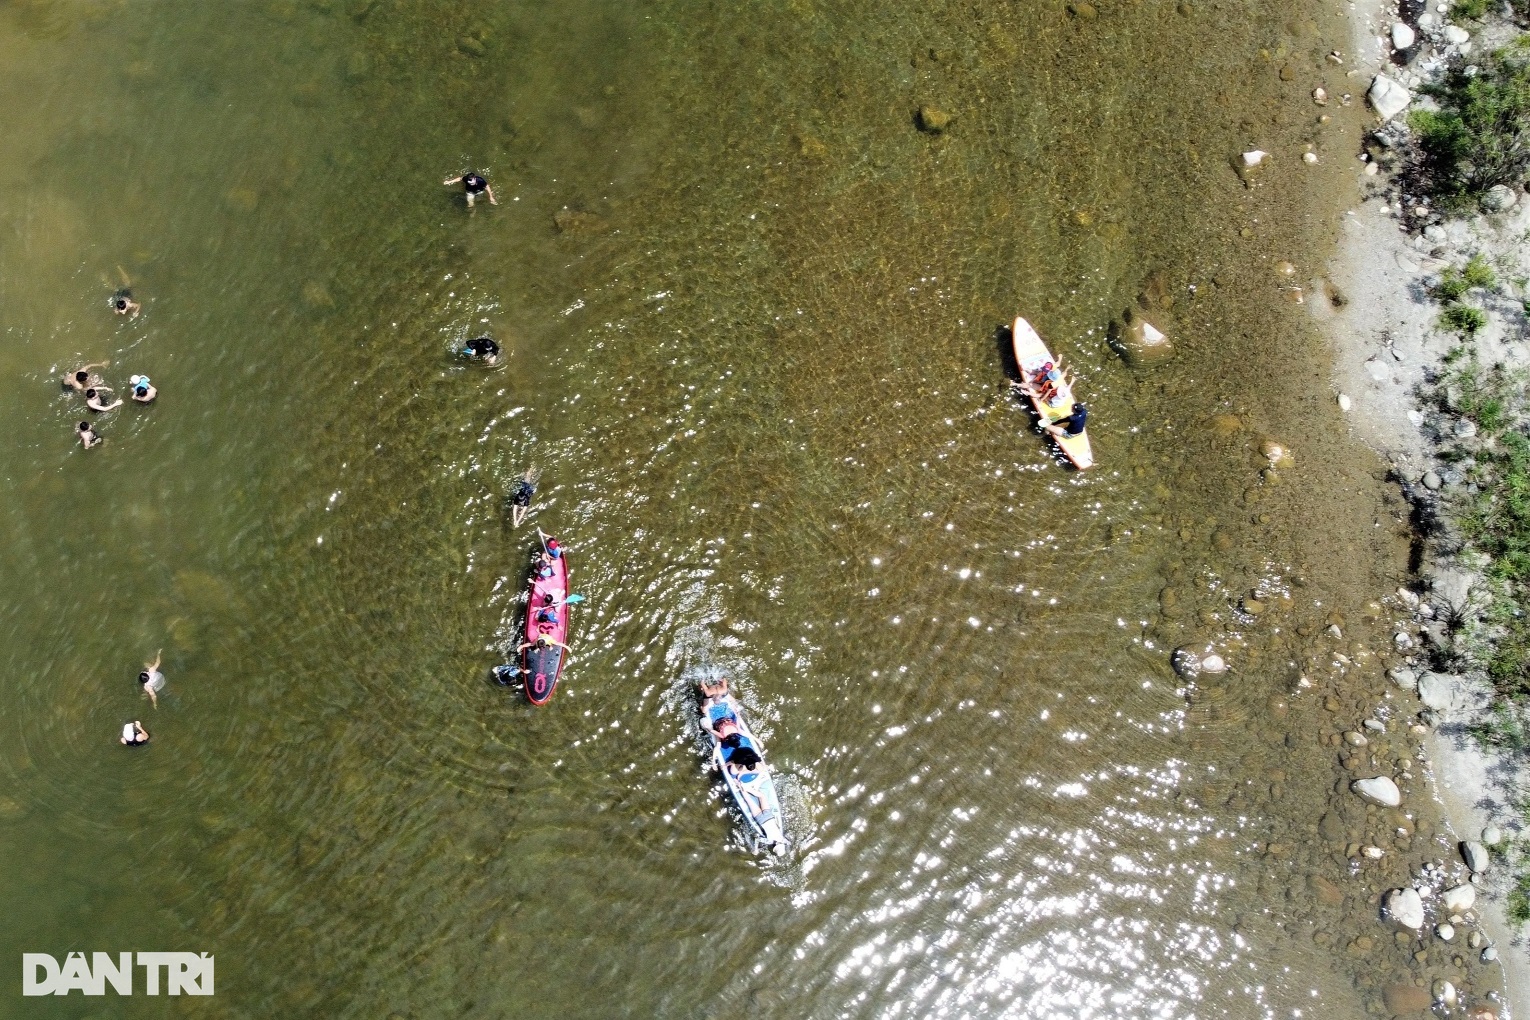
93,400
133,734
521,496
123,304
151,679
87,437
143,390
474,185
79,379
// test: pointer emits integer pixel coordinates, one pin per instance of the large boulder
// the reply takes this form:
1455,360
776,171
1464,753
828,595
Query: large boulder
1387,97
1437,690
1405,907
1378,790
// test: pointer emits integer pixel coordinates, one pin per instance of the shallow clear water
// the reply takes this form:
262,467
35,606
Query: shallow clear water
751,320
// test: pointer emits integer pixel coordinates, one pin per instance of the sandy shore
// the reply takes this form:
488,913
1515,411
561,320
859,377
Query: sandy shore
1385,342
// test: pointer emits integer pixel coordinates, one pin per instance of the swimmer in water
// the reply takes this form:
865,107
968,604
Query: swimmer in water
143,390
87,437
520,498
93,400
474,184
151,679
482,349
79,379
123,304
133,734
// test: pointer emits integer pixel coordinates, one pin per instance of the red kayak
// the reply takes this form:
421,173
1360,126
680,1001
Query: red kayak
546,618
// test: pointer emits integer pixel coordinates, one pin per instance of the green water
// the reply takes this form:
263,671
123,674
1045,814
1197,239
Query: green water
749,315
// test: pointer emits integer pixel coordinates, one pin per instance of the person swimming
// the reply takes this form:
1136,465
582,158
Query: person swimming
521,496
88,438
151,679
123,304
133,734
482,349
143,390
93,400
473,185
79,379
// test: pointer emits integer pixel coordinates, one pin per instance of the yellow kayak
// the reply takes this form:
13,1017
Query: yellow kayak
1031,354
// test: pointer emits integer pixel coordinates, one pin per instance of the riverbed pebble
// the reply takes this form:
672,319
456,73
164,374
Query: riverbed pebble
1355,739
1475,940
1402,36
1375,725
1492,835
1475,855
1455,35
1445,931
1444,993
1433,481
1404,907
1378,790
1489,954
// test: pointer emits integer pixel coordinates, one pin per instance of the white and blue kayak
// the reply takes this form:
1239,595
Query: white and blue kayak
753,789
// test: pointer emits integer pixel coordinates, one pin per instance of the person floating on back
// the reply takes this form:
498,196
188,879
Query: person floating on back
79,380
93,400
143,390
482,349
87,437
133,734
123,304
521,496
151,679
474,185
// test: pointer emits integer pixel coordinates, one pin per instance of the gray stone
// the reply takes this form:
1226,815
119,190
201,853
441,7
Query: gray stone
1405,908
1499,198
1466,428
1437,690
1139,343
1459,899
1455,35
1492,835
1489,955
1432,481
1378,790
1435,234
1446,931
1387,97
1475,855
1404,678
1375,725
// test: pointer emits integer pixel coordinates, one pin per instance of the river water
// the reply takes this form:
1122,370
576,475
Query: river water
751,323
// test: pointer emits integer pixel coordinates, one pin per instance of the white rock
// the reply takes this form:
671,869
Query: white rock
1213,664
1377,369
1378,790
1387,97
1404,907
1402,36
1459,899
1455,35
1476,856
1427,19
1254,157
1436,690
1492,835
1344,402
1415,417
1499,197
1489,955
1309,157
1446,931
1375,853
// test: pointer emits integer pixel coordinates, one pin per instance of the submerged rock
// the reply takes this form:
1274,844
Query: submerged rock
1405,999
574,221
1405,908
1378,790
932,120
1387,97
1139,343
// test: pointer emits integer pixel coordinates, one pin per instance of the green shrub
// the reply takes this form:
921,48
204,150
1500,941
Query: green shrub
1480,136
1470,10
1463,320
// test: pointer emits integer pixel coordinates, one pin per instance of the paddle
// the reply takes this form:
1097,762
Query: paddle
572,600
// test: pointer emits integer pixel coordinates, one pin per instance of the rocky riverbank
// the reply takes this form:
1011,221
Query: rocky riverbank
1392,378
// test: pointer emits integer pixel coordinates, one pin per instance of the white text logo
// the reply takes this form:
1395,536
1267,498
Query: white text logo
184,973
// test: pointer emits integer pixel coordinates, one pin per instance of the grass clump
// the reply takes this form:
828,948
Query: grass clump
1454,283
1480,136
1471,10
1463,320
